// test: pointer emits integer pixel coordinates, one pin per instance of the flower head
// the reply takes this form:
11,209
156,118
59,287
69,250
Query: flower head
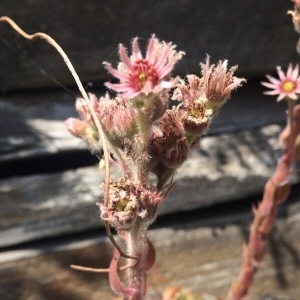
202,97
144,75
287,86
128,201
84,127
194,114
169,145
117,116
218,81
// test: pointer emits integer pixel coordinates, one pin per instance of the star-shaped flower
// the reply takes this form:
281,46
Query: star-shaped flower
144,75
287,86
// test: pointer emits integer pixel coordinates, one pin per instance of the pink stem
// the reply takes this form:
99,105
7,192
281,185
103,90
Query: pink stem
276,191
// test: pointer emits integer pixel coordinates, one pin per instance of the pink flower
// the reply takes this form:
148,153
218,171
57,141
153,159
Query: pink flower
287,86
147,75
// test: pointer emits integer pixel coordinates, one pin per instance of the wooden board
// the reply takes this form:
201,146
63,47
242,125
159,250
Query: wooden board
32,123
203,258
51,204
233,162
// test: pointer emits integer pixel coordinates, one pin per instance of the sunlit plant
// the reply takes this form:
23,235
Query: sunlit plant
147,124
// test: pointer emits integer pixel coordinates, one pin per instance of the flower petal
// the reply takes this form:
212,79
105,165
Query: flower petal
295,73
273,79
136,52
274,92
289,71
269,85
150,55
118,74
281,97
163,58
293,96
281,74
124,58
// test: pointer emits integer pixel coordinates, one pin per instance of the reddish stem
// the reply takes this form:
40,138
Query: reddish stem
276,191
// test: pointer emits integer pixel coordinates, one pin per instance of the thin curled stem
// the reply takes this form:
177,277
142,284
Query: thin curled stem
52,42
87,269
96,270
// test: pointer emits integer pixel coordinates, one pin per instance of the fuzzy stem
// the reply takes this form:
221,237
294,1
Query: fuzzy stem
142,146
276,192
136,246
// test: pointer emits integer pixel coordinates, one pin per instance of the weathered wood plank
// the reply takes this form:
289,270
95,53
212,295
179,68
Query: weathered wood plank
233,162
207,260
227,167
246,34
32,124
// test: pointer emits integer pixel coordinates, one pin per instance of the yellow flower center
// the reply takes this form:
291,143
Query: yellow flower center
143,72
288,86
142,76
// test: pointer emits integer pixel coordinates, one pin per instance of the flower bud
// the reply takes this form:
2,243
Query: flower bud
76,127
169,146
129,201
118,118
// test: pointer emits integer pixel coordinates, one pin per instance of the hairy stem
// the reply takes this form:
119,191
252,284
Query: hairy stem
142,146
136,246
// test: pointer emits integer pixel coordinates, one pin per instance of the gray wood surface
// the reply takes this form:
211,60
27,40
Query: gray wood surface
233,162
203,258
51,204
32,123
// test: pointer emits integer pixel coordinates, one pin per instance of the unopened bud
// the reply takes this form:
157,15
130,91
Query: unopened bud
76,127
170,146
118,117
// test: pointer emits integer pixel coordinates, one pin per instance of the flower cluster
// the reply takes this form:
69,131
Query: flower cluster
145,133
151,124
128,202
